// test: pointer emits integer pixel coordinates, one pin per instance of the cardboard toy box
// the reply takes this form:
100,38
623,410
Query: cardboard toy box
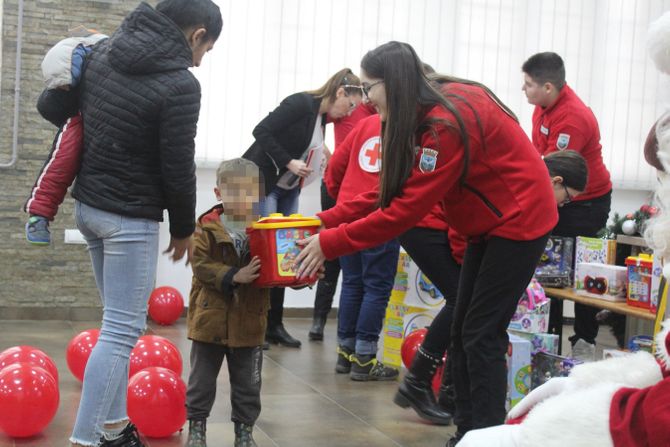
606,282
544,366
532,311
555,266
640,269
539,342
518,370
414,303
595,250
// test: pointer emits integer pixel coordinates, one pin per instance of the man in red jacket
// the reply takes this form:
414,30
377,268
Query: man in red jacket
562,121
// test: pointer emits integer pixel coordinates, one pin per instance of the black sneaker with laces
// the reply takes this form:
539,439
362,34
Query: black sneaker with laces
343,365
366,368
129,437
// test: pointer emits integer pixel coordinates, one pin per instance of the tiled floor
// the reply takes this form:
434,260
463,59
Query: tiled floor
305,404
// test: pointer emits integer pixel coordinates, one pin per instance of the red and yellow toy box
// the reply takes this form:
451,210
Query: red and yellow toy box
273,239
639,280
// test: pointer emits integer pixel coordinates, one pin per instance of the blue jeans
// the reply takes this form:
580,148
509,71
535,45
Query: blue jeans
280,200
124,253
367,282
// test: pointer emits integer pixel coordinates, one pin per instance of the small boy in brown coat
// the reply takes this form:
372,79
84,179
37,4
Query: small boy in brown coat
227,315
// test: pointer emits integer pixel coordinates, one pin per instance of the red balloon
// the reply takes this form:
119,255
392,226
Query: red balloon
28,399
153,350
157,402
79,350
28,354
411,344
165,305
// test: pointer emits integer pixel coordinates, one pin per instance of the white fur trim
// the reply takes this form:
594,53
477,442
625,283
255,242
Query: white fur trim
658,42
575,419
637,370
662,342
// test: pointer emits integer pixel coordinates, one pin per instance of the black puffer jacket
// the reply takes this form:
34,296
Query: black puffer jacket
140,106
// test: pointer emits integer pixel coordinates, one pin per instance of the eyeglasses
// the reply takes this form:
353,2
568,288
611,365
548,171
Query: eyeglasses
568,196
366,88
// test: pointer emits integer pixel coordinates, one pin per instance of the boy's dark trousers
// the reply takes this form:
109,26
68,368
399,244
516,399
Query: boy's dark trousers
325,289
244,369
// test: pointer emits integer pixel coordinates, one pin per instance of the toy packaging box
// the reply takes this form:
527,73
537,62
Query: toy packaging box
639,280
606,282
595,250
532,311
410,307
544,366
518,370
555,266
273,239
656,275
539,342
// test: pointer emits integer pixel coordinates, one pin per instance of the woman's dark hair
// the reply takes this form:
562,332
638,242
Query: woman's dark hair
571,166
187,14
406,86
343,78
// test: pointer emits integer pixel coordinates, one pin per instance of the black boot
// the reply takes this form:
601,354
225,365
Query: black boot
446,398
416,391
196,433
318,323
277,334
243,435
129,438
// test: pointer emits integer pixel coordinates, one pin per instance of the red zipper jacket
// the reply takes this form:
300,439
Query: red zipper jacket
506,192
570,124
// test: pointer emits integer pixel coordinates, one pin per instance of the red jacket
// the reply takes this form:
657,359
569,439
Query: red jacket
506,193
354,169
342,126
570,124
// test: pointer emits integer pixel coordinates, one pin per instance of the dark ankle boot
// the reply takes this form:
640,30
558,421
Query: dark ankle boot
446,398
416,391
277,334
318,323
243,435
196,433
129,438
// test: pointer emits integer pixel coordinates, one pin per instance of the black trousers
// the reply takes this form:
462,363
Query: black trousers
431,252
584,218
244,370
495,273
325,289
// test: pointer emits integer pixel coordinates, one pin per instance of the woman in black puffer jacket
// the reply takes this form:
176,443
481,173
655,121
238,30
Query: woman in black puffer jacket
140,107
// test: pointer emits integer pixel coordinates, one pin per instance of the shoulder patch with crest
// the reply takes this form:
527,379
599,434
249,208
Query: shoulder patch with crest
428,160
562,141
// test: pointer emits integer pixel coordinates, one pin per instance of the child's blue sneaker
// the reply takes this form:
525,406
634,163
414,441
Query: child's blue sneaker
37,231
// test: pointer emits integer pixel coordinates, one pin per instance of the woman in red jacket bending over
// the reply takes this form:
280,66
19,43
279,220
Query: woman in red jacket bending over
462,147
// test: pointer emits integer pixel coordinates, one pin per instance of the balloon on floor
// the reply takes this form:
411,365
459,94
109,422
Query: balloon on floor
28,354
79,350
157,402
154,350
28,399
411,344
165,305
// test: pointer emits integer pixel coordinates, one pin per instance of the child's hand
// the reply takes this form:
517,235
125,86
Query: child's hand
248,273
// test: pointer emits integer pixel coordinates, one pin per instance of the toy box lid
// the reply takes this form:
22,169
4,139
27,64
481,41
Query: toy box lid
278,220
643,259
